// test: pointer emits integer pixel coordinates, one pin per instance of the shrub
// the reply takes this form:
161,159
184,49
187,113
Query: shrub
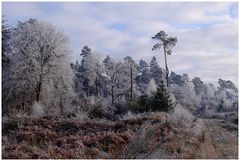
145,103
80,112
37,110
134,106
131,116
120,109
182,113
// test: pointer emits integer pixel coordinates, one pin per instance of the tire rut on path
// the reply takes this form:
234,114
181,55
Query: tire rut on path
218,143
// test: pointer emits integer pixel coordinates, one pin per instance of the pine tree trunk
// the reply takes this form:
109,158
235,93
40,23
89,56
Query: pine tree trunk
112,95
131,84
167,72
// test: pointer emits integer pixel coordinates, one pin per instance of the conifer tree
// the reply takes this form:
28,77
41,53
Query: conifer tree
161,100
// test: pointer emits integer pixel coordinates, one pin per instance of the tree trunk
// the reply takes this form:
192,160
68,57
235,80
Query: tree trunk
61,106
96,87
131,84
38,91
167,72
99,87
23,103
97,84
112,96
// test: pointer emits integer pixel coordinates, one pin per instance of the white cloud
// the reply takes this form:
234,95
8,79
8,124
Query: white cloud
20,9
207,32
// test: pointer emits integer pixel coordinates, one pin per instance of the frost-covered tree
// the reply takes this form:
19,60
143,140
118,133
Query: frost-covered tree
228,86
152,87
144,77
41,70
227,94
142,65
176,79
6,31
90,71
86,70
116,78
210,90
184,94
77,76
167,43
131,68
199,86
185,77
155,70
203,98
6,73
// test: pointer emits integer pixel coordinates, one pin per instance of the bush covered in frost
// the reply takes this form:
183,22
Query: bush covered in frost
38,109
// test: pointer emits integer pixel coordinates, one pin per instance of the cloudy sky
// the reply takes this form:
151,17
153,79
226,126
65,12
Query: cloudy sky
207,32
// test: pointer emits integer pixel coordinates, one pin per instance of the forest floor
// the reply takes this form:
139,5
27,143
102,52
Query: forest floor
218,143
147,136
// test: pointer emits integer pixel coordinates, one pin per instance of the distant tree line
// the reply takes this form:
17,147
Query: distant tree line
36,68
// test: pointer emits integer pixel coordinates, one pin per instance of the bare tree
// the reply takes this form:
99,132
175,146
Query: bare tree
167,43
6,74
41,62
115,75
131,69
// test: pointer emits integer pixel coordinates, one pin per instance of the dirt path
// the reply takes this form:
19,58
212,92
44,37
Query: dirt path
218,143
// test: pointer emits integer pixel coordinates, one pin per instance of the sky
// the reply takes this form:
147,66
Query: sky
207,32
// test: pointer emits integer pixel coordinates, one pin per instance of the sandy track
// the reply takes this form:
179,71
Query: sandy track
218,143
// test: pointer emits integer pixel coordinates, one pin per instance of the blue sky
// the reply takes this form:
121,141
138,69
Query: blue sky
207,32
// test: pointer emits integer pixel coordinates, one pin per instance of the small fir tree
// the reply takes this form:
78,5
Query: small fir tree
161,100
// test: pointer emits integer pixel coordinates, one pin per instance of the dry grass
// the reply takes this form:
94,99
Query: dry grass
162,141
149,135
